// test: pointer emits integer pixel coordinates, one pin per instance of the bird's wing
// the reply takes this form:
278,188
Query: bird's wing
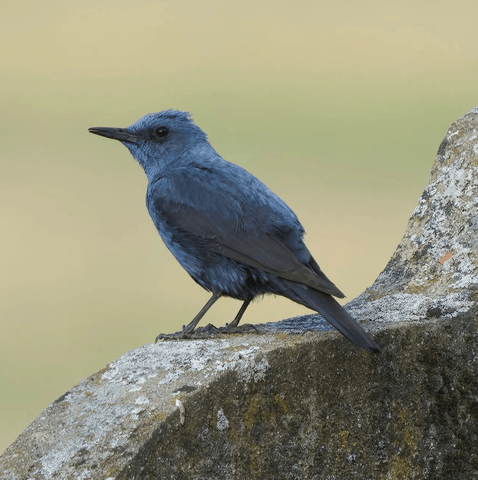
233,225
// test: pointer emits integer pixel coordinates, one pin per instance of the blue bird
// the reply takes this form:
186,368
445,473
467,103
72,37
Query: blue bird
233,235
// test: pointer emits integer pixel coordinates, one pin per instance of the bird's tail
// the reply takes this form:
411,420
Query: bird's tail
332,311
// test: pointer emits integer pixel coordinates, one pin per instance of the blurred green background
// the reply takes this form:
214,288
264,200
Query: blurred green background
338,107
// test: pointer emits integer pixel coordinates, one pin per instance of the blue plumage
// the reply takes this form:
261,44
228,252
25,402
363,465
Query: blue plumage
232,234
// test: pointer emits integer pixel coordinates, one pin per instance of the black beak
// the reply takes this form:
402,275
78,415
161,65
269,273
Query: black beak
120,134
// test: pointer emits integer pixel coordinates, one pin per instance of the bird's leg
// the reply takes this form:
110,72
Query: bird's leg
215,297
233,326
239,315
191,332
188,331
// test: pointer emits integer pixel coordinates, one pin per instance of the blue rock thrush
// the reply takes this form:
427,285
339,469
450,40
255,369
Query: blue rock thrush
233,235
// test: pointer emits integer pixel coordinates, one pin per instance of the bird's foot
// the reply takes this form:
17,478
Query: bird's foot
206,332
246,328
201,332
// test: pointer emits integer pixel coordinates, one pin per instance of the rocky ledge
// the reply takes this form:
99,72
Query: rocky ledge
297,400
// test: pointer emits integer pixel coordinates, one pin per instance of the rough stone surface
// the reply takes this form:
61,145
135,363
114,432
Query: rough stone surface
299,401
433,273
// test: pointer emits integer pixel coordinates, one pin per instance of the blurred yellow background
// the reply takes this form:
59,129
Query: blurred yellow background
338,107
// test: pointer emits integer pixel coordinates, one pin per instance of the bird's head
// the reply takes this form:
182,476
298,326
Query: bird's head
160,141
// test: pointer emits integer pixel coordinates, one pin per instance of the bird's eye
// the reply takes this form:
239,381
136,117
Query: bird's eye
162,131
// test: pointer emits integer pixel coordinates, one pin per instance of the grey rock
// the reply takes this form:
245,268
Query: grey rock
298,400
433,272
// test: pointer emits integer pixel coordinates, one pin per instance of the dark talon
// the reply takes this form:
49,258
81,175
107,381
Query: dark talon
246,328
207,332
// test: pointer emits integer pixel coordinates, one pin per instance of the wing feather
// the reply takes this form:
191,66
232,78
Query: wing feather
236,227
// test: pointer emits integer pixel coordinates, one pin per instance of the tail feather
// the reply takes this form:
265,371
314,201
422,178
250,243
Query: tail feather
332,311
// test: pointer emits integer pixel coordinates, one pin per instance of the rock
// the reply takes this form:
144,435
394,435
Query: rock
433,273
299,401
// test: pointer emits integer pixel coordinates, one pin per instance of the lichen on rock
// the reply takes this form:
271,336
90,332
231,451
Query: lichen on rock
300,401
434,270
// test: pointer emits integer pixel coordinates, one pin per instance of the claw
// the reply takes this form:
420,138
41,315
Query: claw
247,327
206,332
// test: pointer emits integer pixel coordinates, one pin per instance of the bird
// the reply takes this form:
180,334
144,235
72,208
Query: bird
227,229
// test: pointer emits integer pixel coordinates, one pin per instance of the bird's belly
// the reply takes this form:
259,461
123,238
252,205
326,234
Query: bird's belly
213,271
